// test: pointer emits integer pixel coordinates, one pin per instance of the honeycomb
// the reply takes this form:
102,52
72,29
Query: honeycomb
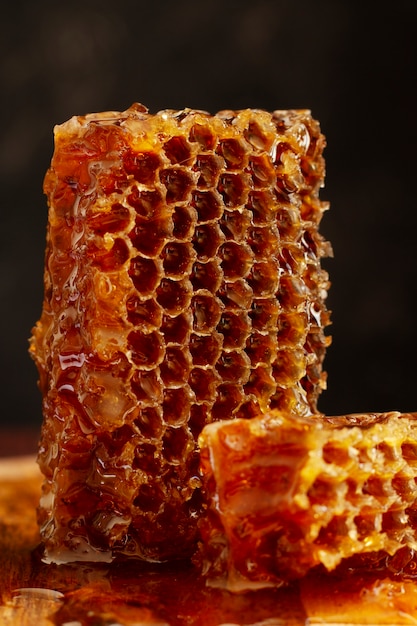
183,285
289,493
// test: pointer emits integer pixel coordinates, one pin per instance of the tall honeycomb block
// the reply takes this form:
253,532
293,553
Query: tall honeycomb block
289,493
183,285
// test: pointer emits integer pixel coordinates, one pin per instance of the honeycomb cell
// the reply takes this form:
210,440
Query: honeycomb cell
147,386
235,327
292,329
208,205
206,312
264,278
262,171
148,203
149,237
110,260
264,314
234,152
261,384
205,349
147,349
207,275
175,367
145,274
288,223
183,218
143,166
178,150
292,292
235,224
264,207
289,367
233,367
177,259
178,182
257,137
204,136
234,189
229,398
264,241
207,239
176,405
174,295
146,315
203,381
112,221
174,445
261,349
199,416
236,294
208,167
236,260
176,329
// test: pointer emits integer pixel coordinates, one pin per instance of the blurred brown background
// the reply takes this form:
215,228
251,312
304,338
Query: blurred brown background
352,63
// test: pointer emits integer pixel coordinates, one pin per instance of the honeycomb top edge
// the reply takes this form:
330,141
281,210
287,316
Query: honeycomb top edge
138,112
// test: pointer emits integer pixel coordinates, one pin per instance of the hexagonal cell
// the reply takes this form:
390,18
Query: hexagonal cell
236,294
234,152
149,237
174,295
178,182
292,328
261,384
206,310
176,405
199,417
262,171
229,398
110,260
143,166
264,314
264,207
256,137
264,278
109,221
207,275
204,136
146,315
207,238
184,219
292,259
234,189
205,349
235,327
177,259
148,204
208,204
261,349
289,367
147,455
175,367
292,291
147,386
235,223
176,329
203,382
208,167
174,446
178,150
289,223
264,241
147,349
145,274
234,367
236,259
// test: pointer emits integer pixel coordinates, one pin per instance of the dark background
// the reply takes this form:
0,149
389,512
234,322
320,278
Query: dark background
352,63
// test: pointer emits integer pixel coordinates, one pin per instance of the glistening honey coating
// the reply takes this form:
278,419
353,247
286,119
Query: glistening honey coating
289,493
183,285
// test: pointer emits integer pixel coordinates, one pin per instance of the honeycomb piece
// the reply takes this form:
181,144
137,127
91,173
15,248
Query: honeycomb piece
287,493
182,285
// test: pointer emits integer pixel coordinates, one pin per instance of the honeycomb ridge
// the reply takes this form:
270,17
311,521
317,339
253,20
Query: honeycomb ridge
290,493
183,285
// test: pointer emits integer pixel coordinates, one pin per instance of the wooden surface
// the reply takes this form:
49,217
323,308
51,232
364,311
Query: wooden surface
133,594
